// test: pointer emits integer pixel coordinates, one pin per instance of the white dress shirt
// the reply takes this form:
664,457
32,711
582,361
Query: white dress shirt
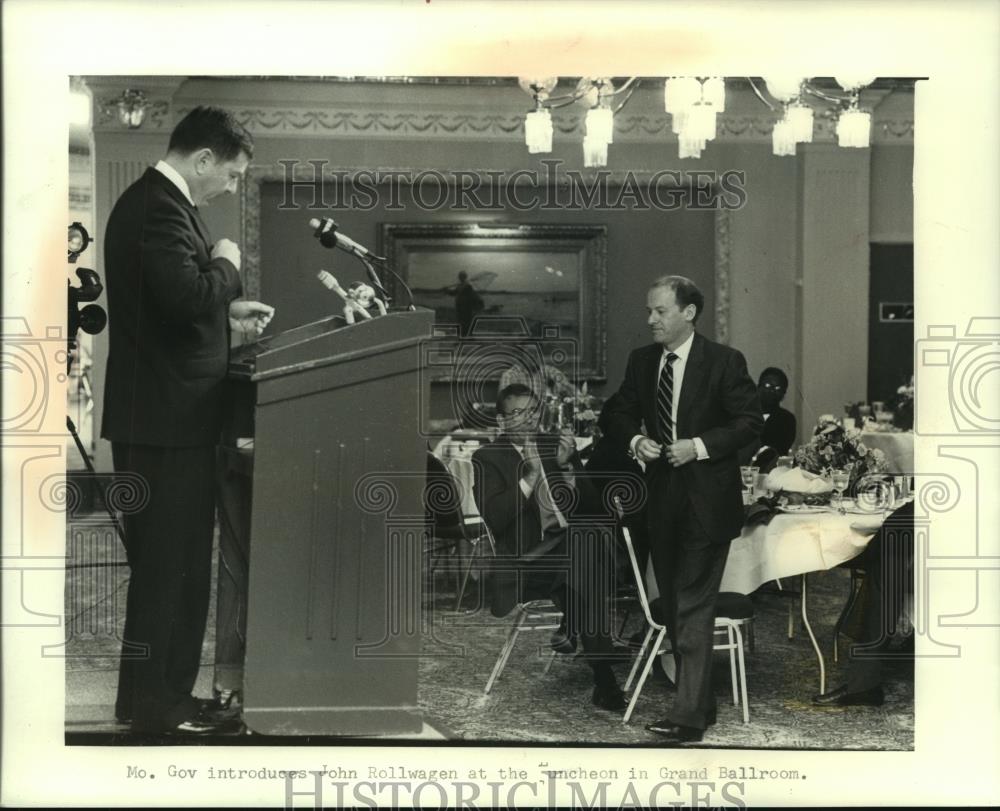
174,177
680,364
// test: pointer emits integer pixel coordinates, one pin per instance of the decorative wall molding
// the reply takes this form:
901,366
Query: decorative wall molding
257,175
419,123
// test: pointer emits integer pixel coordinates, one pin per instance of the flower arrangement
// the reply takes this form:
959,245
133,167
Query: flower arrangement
571,407
832,446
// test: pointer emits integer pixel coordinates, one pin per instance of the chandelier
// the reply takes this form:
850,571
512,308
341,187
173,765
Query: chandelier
694,104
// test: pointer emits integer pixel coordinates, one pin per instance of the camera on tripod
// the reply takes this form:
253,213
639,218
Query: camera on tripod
92,318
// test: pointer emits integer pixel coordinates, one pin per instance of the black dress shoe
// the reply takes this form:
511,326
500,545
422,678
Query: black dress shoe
609,697
675,733
840,697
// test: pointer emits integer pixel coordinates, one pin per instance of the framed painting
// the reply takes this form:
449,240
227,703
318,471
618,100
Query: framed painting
504,291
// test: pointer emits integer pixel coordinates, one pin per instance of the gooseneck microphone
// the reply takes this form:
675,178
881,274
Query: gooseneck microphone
329,237
325,230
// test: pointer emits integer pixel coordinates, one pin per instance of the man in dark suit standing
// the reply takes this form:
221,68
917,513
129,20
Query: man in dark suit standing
522,492
172,302
685,408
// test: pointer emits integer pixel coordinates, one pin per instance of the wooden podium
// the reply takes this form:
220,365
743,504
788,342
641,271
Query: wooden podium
332,596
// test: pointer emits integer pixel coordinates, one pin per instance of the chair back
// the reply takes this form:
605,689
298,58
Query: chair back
640,580
442,497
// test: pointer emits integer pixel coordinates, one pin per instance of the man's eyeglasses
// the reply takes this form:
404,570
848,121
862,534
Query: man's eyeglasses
518,412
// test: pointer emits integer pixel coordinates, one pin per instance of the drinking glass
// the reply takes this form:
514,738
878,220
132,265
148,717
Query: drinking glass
748,472
839,477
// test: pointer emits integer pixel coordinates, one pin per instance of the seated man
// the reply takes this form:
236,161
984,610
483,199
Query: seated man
888,562
778,435
520,489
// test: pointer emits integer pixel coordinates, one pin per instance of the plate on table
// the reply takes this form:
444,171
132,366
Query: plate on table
851,507
803,509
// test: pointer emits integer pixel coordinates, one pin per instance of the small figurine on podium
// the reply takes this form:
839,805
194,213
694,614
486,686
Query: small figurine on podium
359,298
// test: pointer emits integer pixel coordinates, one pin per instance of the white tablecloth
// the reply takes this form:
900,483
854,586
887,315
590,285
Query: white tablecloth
794,544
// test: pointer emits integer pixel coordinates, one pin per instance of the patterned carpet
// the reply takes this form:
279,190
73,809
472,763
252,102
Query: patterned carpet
527,705
782,676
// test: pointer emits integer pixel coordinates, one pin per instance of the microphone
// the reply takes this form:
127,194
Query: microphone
329,237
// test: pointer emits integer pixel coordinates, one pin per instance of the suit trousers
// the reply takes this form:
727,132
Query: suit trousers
168,544
688,564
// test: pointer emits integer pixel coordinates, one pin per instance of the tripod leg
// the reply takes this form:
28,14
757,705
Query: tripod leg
90,469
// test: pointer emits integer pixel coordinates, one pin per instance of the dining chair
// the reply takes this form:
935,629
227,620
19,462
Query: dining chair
532,615
448,527
734,613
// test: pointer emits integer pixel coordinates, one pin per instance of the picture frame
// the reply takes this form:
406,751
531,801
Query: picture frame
539,288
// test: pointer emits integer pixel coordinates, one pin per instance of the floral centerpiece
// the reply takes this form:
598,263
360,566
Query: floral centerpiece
572,407
832,446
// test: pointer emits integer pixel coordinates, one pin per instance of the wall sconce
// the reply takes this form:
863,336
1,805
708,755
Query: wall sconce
132,108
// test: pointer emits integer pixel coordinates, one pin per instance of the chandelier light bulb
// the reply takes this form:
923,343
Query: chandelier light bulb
783,138
713,93
854,129
689,146
701,122
680,93
600,124
595,152
800,118
538,131
784,88
853,83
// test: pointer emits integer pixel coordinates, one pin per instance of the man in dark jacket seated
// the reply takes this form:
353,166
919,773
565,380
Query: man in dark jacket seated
778,435
527,492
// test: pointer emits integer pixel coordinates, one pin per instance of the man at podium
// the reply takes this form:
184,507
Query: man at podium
173,302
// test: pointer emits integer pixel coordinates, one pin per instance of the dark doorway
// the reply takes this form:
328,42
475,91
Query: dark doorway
890,319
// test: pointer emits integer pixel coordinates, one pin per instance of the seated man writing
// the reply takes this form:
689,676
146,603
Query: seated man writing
522,490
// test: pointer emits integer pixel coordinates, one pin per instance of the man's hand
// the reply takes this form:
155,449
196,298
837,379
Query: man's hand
227,249
566,448
682,452
646,450
249,317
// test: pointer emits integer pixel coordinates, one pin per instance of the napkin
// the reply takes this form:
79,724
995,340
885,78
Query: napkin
796,480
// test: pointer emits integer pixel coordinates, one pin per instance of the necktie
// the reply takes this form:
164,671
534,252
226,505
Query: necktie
665,400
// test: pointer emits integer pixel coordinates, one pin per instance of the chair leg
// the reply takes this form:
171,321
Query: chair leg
645,673
791,621
548,663
732,663
638,658
505,651
852,598
743,672
465,578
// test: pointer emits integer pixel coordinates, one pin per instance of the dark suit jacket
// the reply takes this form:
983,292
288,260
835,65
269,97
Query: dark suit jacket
719,403
167,320
778,433
512,518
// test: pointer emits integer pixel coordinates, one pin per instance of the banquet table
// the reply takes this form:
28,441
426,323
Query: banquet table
798,544
897,447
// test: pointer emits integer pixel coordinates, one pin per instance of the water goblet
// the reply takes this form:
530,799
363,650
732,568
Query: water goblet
840,477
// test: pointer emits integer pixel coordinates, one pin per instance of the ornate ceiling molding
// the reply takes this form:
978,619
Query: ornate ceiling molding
420,123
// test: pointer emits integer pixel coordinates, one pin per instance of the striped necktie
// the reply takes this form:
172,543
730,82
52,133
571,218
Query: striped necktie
665,400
